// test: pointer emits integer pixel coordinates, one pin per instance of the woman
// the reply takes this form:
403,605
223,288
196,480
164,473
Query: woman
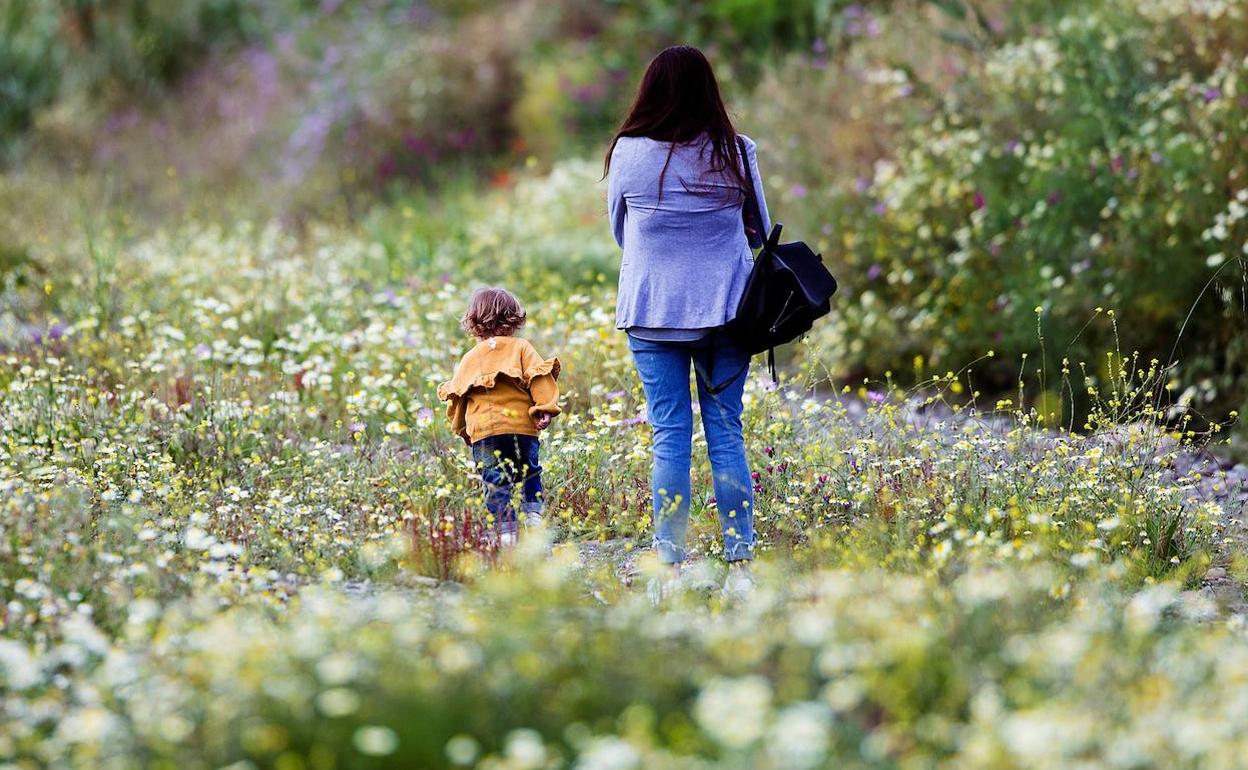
676,187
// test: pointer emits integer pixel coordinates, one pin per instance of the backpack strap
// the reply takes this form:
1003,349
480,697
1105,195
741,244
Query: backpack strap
707,374
751,195
715,390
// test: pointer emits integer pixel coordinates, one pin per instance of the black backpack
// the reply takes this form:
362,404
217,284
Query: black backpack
788,289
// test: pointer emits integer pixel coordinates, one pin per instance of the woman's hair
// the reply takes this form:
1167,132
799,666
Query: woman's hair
493,312
678,101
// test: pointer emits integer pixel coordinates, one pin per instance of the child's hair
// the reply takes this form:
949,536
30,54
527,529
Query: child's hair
493,312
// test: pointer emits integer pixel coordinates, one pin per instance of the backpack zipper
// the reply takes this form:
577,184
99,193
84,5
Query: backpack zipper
782,318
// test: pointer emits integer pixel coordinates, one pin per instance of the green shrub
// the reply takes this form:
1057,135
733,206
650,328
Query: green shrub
1081,168
139,45
29,76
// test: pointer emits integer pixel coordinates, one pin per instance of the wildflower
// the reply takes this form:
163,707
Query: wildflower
799,738
375,740
609,753
734,711
525,749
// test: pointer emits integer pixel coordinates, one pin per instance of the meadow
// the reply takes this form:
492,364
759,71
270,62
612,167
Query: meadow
238,532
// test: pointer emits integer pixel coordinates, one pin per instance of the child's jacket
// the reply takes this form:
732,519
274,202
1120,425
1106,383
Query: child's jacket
499,388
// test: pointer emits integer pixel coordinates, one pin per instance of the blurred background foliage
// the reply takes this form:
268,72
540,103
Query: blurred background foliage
991,175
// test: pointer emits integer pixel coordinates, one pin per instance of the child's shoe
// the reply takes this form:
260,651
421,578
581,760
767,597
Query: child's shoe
508,533
531,514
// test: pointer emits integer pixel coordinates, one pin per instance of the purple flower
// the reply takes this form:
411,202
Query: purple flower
861,185
463,139
874,271
589,94
615,395
424,413
875,397
1053,197
202,351
356,427
415,144
980,202
798,191
1011,146
1156,157
879,209
1212,94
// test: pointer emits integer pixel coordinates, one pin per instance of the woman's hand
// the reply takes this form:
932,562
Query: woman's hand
542,420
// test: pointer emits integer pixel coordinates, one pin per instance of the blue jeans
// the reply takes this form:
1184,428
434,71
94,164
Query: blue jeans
505,461
664,371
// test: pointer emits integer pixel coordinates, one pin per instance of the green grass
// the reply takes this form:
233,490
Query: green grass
232,423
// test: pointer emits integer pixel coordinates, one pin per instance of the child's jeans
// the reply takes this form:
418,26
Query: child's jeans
505,461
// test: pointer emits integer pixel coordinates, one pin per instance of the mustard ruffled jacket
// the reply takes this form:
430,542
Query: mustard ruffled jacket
499,387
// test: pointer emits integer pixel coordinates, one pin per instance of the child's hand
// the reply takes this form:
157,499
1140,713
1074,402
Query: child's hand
542,420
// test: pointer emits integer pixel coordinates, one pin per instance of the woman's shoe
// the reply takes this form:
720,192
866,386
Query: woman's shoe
740,581
664,585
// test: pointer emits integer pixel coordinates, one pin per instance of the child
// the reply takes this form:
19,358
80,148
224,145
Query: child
502,395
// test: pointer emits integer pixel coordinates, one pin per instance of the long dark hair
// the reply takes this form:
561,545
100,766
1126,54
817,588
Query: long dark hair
678,101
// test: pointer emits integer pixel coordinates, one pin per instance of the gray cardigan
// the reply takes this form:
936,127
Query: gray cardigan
686,256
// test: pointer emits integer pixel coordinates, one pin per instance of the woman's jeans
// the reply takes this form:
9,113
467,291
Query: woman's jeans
505,461
664,370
